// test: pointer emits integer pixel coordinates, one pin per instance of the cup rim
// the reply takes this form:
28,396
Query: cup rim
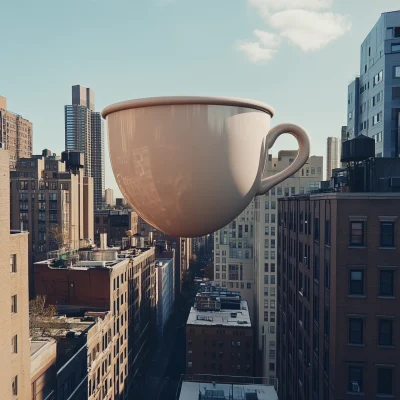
182,100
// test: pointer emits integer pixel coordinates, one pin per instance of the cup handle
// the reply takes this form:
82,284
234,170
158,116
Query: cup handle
304,151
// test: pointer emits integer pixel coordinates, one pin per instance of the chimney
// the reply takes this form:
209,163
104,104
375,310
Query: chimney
103,241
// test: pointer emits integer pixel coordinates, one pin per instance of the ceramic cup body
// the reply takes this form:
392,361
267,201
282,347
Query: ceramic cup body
188,169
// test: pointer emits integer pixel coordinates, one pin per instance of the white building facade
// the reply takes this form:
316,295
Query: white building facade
304,181
234,256
165,291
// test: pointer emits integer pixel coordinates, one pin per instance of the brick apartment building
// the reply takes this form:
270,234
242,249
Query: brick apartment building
50,194
219,334
120,284
338,288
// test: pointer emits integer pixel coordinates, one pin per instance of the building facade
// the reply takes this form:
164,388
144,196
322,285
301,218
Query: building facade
337,296
15,380
16,134
123,285
51,201
84,132
219,334
165,291
374,97
333,150
109,196
182,247
116,224
234,256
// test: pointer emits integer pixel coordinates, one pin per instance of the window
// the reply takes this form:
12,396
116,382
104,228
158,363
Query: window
387,234
328,233
271,366
355,331
14,305
265,279
357,233
355,379
272,315
190,364
377,118
350,115
397,72
327,277
378,78
356,284
265,303
395,47
266,316
14,386
267,204
266,267
13,263
14,344
272,303
396,31
272,279
385,381
386,283
385,332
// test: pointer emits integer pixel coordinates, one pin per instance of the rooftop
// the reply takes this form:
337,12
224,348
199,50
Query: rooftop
223,317
85,259
226,391
37,345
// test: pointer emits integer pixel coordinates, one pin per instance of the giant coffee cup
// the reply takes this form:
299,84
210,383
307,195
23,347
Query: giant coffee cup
190,165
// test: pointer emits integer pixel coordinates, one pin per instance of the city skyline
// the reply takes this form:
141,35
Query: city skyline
111,74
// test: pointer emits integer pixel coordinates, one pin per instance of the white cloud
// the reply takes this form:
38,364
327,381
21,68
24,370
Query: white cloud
310,30
267,39
255,52
267,5
302,22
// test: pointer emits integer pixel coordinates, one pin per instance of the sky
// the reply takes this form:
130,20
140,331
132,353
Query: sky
296,55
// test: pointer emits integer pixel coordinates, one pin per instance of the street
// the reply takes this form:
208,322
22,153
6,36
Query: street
168,362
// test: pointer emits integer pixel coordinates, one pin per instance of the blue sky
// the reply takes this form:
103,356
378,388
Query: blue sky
297,55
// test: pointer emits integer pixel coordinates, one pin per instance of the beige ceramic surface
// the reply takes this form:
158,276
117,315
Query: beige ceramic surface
190,165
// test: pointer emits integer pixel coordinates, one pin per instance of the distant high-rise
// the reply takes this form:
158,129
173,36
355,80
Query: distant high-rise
84,132
15,134
245,253
110,199
373,103
332,155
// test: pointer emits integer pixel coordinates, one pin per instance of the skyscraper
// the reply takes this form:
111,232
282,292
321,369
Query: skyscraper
84,132
374,97
332,155
15,134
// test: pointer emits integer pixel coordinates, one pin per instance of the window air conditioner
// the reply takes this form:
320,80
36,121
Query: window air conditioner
355,387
